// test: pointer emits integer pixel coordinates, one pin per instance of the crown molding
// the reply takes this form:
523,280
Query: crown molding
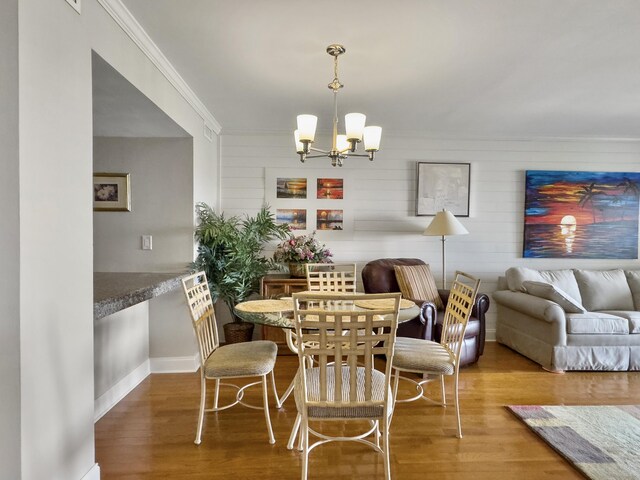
134,30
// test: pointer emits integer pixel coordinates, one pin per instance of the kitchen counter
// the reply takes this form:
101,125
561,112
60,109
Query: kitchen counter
115,291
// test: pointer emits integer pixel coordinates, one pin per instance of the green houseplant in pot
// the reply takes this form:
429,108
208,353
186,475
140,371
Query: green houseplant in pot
230,253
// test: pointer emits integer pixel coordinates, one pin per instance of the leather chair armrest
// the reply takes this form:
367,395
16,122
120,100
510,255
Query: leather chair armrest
480,307
428,316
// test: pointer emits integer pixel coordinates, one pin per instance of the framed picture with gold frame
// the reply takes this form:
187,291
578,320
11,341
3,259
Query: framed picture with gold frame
111,192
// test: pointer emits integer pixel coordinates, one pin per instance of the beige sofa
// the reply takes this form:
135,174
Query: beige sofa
571,319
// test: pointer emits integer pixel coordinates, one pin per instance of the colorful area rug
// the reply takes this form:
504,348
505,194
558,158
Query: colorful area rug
600,441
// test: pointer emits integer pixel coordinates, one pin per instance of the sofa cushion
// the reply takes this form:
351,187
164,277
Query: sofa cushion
633,279
596,323
417,283
563,279
555,294
632,317
604,290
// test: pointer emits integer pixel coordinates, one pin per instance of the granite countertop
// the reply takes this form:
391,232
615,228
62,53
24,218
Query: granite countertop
115,291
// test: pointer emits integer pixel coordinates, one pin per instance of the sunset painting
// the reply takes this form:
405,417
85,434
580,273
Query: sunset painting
291,188
329,220
330,188
296,218
581,214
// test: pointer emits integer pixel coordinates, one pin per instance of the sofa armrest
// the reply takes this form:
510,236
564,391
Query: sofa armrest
530,305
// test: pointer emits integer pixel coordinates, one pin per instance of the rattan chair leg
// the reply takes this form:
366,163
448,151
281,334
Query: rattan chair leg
304,437
443,391
265,398
294,432
455,398
216,393
203,399
279,401
385,447
396,381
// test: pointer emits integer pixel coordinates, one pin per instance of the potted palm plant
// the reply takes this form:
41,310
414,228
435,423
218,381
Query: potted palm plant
230,253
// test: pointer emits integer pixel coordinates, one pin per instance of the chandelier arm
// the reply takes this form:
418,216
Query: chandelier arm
316,156
326,152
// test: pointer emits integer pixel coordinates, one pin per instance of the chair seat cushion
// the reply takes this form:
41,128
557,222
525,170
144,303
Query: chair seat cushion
350,411
242,360
417,355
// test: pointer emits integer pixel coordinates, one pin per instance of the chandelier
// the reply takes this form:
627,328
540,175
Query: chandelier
355,131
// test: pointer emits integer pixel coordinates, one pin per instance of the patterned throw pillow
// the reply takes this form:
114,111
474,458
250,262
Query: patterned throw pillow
417,283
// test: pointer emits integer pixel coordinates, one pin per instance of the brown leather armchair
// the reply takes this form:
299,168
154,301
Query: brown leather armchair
378,276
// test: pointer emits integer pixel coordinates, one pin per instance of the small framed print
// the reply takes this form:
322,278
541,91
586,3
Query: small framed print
111,192
443,186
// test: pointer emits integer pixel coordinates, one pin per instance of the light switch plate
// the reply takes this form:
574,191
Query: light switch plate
147,242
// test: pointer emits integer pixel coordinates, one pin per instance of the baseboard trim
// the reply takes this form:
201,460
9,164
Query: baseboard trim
490,335
93,474
111,397
188,364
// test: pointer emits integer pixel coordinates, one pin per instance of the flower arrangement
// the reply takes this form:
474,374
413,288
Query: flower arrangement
302,249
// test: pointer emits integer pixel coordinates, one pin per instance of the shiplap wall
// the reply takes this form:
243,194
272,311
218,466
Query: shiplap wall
383,197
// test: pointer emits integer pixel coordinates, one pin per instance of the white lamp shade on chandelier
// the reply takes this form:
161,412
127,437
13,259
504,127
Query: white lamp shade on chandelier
343,145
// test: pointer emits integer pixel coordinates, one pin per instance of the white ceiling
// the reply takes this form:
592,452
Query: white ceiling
121,110
470,68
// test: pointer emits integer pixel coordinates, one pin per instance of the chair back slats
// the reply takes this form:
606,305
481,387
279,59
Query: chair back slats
203,317
331,277
342,340
456,316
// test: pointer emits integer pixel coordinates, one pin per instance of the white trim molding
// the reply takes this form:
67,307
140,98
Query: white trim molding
93,474
134,30
188,364
111,397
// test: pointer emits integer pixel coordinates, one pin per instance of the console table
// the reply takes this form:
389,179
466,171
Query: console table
276,286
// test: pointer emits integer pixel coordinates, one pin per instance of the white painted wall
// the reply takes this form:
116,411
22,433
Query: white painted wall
121,345
55,223
383,198
161,172
9,245
162,185
56,243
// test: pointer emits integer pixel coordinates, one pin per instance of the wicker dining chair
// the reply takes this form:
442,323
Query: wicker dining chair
236,360
344,385
439,359
321,277
331,277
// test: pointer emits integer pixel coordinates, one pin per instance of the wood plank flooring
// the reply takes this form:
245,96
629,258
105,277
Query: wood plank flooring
149,434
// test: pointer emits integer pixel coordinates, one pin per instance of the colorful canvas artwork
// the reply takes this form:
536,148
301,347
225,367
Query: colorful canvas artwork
295,217
291,188
581,214
330,188
329,220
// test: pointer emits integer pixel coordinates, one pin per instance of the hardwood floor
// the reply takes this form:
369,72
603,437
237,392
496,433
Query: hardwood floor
149,434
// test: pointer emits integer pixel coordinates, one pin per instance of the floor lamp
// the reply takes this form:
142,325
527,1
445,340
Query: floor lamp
444,224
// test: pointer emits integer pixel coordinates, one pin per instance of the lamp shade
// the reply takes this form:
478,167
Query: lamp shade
372,138
354,125
307,127
341,143
445,223
299,145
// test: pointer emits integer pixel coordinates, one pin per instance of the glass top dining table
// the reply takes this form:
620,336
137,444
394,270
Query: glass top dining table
278,312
